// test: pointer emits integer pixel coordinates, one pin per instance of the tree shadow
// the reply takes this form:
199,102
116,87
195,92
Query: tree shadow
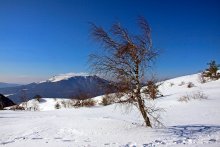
186,135
163,96
8,117
188,131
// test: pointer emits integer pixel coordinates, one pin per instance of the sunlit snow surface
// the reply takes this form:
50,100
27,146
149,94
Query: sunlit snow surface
61,77
193,123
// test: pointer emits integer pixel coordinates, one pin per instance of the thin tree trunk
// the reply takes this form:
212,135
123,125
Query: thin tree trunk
141,105
143,113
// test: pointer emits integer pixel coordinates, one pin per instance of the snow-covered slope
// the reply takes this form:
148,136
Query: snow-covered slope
192,123
66,76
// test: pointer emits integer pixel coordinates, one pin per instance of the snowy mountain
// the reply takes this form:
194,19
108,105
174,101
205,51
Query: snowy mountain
67,76
191,123
62,86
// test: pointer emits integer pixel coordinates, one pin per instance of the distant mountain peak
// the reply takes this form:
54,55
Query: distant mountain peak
66,76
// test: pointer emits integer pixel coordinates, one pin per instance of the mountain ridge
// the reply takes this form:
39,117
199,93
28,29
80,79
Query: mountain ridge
70,87
4,85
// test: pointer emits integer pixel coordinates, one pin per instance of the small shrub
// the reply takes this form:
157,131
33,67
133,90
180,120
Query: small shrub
190,85
182,83
78,103
37,97
64,103
24,105
171,84
88,103
35,105
57,106
16,107
202,79
106,101
184,98
199,96
85,103
68,103
195,96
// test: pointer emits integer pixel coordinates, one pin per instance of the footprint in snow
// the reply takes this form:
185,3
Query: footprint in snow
148,145
68,140
7,142
212,140
17,138
36,138
58,138
130,144
178,141
159,142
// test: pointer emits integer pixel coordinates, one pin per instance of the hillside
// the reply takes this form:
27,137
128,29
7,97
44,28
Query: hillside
5,102
195,122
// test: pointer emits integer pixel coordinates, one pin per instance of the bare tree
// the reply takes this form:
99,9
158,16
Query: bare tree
125,59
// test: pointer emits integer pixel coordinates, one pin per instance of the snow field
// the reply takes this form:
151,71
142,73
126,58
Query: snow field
192,123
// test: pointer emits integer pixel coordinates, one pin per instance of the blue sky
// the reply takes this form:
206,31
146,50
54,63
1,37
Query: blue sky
42,38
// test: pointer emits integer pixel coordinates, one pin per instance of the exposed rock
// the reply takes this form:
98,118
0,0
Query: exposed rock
5,102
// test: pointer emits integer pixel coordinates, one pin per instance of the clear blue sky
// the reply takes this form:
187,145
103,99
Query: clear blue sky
42,38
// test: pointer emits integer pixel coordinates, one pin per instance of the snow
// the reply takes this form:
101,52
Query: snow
193,123
61,77
7,95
